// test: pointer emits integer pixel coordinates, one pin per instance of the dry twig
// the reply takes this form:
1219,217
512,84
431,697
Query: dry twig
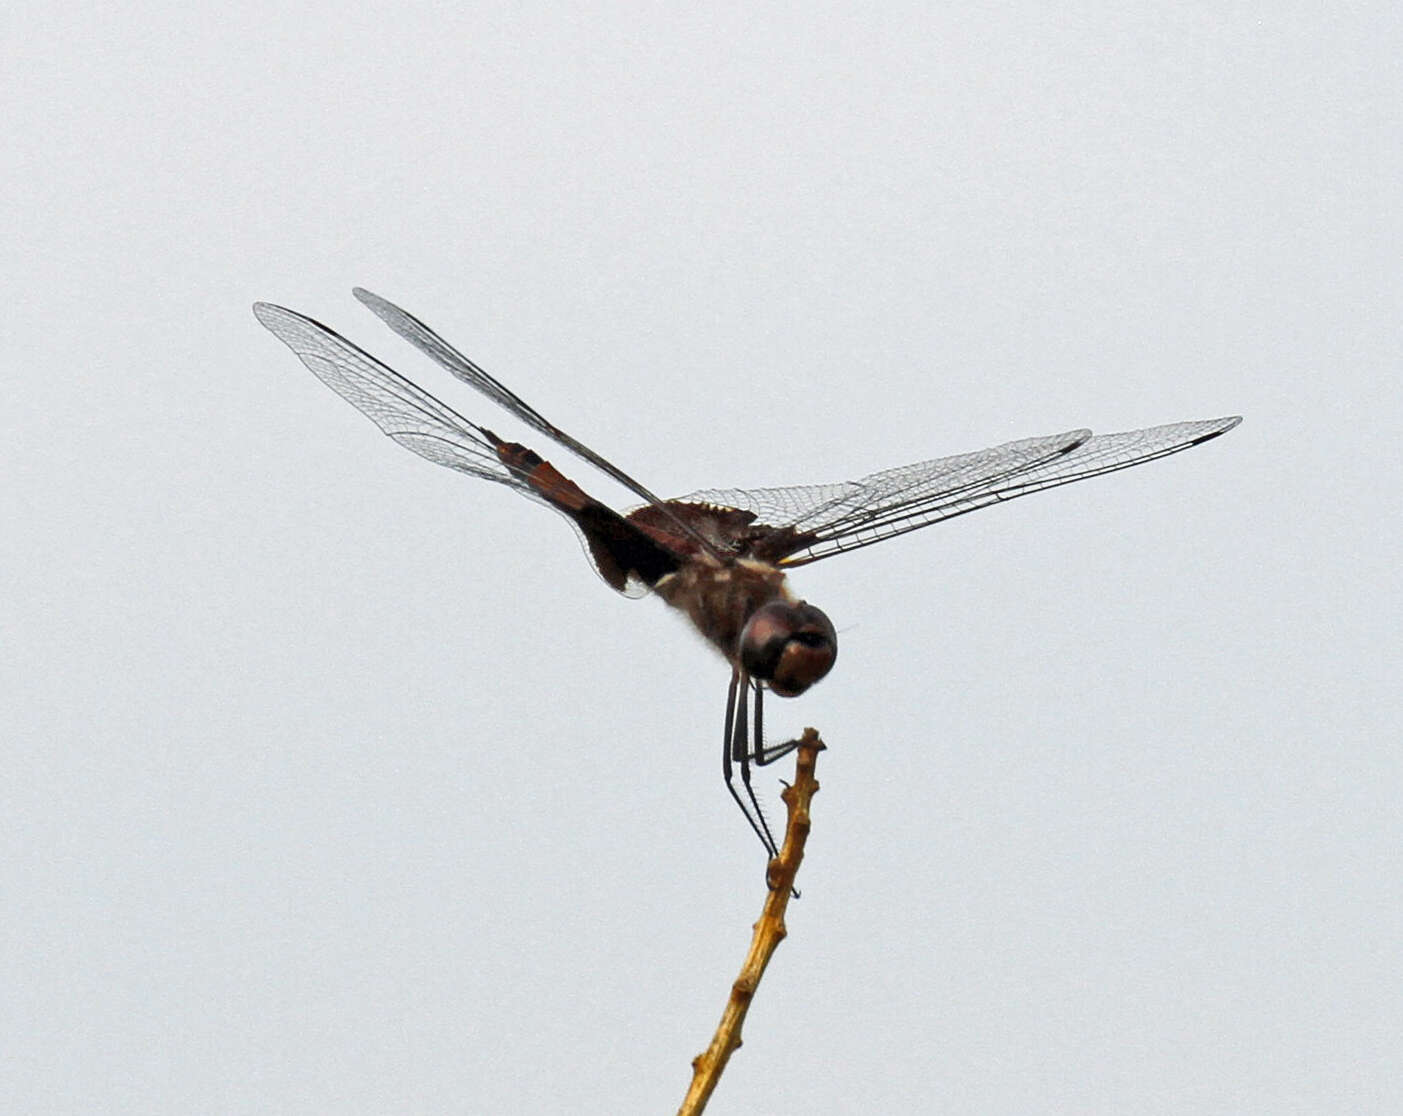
708,1066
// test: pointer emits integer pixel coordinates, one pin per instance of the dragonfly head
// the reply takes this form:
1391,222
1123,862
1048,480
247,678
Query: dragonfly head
789,646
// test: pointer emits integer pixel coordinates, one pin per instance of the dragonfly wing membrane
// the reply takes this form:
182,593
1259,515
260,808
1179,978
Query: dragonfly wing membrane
813,522
801,516
1091,457
429,342
408,414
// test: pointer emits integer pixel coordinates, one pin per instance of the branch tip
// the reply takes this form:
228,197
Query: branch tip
768,931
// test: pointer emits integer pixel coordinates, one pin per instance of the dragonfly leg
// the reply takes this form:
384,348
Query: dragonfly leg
763,755
735,752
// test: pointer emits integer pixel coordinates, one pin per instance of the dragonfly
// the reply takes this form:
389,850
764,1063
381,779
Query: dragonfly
719,556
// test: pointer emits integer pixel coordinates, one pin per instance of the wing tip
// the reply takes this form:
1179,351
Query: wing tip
1217,428
277,320
377,305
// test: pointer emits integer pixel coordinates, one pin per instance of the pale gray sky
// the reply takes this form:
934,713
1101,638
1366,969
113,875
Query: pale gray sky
335,782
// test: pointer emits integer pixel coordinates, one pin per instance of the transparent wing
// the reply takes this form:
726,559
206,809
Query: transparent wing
818,521
407,413
432,345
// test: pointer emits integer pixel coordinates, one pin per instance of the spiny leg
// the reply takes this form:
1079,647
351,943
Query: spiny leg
745,752
762,755
735,749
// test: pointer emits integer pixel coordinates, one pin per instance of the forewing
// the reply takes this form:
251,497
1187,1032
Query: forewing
429,342
407,413
818,521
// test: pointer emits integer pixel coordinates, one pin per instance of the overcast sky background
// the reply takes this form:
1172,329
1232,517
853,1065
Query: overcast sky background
336,782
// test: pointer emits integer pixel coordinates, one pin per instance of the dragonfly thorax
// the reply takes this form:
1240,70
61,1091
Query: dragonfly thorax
746,611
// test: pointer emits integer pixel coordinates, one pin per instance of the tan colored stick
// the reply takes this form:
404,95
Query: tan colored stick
708,1066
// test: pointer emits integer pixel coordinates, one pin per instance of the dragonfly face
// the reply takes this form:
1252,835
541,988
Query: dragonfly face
787,646
718,556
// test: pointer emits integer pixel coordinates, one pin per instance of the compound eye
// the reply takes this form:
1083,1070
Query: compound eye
788,646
